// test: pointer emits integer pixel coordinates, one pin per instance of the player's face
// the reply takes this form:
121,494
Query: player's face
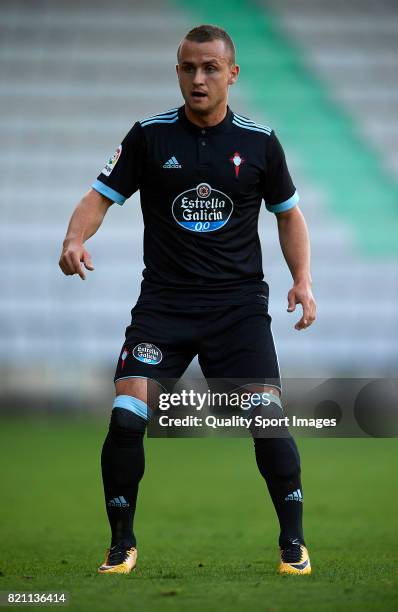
205,72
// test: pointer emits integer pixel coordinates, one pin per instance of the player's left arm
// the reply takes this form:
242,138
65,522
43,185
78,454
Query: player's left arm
281,198
295,244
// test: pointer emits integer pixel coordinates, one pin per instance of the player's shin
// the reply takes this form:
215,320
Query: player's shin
122,462
278,461
279,464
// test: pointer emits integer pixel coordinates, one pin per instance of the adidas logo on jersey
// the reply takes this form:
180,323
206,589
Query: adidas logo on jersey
172,163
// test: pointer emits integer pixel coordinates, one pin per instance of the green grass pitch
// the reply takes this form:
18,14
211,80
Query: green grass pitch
207,534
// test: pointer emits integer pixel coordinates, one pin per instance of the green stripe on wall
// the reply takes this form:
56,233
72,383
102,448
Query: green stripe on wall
324,137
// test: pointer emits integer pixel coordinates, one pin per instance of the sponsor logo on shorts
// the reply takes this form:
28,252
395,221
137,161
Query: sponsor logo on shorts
202,209
147,353
112,161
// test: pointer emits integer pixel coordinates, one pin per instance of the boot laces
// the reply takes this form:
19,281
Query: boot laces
292,553
118,554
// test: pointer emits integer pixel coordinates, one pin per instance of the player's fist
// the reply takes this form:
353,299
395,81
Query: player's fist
73,255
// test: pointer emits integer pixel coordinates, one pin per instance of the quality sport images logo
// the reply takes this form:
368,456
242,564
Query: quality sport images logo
202,209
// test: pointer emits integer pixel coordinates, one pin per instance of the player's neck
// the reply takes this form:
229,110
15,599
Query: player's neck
214,118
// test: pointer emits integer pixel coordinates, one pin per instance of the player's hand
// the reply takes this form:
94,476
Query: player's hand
301,293
73,255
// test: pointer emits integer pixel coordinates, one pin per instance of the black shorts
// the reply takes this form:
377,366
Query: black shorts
233,342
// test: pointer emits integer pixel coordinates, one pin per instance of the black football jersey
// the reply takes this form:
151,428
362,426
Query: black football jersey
201,190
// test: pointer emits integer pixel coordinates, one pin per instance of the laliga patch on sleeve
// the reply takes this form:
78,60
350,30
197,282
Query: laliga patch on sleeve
112,161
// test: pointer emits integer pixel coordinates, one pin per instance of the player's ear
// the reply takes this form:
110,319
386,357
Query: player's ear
233,74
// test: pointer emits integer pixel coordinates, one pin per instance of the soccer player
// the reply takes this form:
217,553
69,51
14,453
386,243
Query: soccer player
202,171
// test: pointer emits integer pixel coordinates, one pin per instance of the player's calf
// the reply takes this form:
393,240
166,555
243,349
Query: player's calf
278,461
123,462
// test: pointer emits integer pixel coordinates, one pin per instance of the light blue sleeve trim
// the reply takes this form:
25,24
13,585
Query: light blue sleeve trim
134,405
277,208
108,192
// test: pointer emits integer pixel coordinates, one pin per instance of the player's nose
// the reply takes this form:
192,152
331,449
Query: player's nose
198,77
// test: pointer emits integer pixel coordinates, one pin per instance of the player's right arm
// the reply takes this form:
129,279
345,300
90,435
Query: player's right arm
85,221
118,180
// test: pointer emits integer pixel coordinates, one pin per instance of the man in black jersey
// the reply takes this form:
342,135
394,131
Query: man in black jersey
202,171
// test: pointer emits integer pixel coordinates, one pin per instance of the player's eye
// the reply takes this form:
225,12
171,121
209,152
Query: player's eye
211,69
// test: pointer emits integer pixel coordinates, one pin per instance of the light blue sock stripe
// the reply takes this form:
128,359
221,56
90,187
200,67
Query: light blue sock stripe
133,404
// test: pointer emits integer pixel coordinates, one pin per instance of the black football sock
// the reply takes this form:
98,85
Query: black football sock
279,463
123,463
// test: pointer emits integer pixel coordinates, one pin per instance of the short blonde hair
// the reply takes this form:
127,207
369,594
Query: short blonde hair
207,33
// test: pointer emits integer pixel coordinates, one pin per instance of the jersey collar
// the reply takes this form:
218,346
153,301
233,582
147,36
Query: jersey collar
221,127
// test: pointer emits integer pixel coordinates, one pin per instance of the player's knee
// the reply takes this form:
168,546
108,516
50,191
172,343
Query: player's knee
129,418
